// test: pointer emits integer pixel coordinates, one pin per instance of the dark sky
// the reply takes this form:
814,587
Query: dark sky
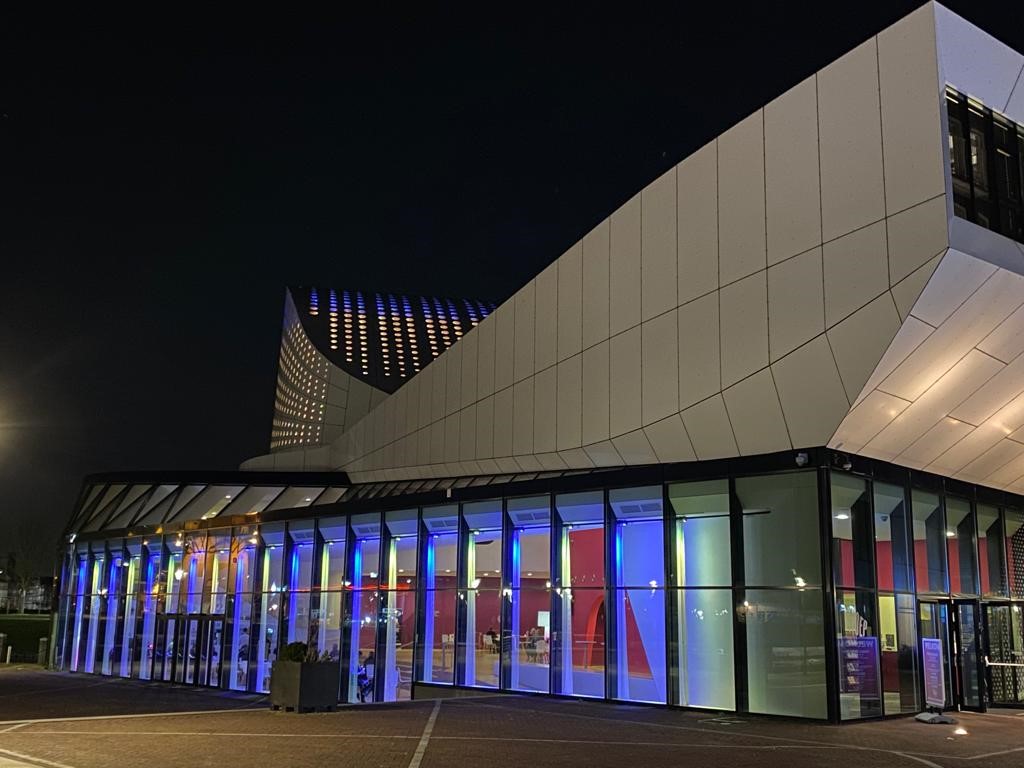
162,181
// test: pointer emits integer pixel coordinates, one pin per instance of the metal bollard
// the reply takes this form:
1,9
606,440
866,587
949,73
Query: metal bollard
44,651
3,645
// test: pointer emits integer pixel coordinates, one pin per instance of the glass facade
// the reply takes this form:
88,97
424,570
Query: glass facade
787,592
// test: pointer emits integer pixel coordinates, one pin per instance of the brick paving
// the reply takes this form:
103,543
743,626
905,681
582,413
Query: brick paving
211,728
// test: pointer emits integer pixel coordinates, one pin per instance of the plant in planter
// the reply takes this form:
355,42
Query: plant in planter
302,681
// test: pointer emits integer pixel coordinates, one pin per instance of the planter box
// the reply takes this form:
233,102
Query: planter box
304,686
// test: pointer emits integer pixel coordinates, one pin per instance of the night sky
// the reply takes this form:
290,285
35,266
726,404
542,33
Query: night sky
161,184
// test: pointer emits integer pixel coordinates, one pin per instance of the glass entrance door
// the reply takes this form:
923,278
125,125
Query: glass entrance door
1004,654
967,643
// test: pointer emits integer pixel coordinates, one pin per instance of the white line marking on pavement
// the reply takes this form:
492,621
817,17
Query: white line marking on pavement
132,717
14,727
417,756
929,763
32,760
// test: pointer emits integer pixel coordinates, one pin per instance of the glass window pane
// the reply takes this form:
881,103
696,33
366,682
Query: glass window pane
781,544
1015,550
897,627
961,547
860,685
300,579
332,559
582,613
929,542
851,531
366,565
441,525
483,619
401,565
990,551
640,644
892,539
245,551
528,639
639,537
363,667
271,577
785,652
703,549
706,671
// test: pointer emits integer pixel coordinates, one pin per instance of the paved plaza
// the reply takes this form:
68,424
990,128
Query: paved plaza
59,720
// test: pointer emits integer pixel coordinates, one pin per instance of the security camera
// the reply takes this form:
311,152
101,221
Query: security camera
801,459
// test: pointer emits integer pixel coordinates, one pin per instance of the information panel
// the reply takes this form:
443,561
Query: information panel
934,675
858,657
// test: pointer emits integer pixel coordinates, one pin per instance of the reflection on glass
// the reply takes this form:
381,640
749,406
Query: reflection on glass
639,574
851,531
785,652
150,606
399,617
441,525
780,529
929,542
703,555
299,578
272,538
482,596
244,549
892,539
112,597
934,621
583,615
961,547
897,629
529,637
366,608
1015,551
990,551
860,684
129,661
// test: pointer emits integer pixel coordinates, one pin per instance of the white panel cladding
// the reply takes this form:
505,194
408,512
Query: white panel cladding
867,419
467,389
596,301
603,454
546,318
856,271
576,458
595,393
976,63
485,428
658,245
426,396
525,301
423,446
744,328
545,396
707,424
934,404
916,236
741,226
634,448
907,339
796,305
933,443
697,223
522,417
451,437
859,342
849,120
504,340
358,401
1000,296
910,96
570,404
993,395
755,414
699,359
624,277
659,367
467,434
569,332
503,423
1006,342
485,357
452,364
437,442
792,194
961,276
813,400
992,460
669,440
905,292
625,390
438,370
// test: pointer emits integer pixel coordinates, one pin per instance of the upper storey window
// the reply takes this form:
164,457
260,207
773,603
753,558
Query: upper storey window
986,152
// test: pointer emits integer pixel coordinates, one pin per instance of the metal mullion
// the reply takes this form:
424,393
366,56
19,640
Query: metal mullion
670,585
348,618
829,596
421,639
557,639
505,596
738,591
382,659
461,619
611,601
